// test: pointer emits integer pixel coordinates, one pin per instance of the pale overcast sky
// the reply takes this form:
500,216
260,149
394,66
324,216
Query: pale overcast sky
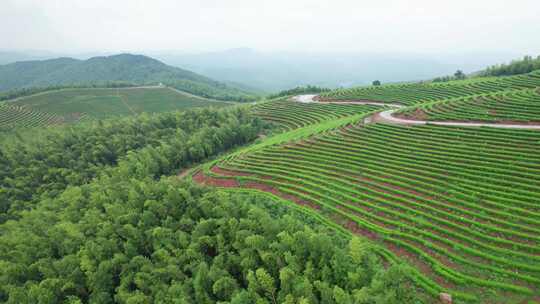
426,26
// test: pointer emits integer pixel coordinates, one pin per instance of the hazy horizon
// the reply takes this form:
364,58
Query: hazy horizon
388,26
272,71
271,45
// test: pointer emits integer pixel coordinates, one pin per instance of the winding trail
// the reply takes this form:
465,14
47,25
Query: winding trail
387,117
196,96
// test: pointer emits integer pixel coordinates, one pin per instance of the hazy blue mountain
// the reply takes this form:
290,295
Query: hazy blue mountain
274,71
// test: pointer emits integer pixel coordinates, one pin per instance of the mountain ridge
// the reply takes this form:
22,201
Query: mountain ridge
125,67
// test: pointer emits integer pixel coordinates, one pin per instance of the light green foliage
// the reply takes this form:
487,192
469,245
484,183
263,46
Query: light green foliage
73,105
445,195
290,115
525,65
521,106
14,116
194,252
417,93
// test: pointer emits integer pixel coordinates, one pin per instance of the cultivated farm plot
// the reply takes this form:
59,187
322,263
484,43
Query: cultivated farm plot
289,115
415,93
101,103
462,205
459,204
22,117
520,106
73,105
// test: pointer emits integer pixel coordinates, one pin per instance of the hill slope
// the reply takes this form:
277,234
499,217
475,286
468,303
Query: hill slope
71,105
136,69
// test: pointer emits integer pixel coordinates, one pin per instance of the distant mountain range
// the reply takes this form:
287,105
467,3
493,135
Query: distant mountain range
136,69
273,71
248,70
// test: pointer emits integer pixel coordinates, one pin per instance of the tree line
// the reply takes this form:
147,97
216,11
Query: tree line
516,67
309,89
458,75
39,164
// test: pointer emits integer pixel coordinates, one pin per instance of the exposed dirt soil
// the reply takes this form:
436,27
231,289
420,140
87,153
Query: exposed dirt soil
419,264
183,173
225,172
418,114
200,178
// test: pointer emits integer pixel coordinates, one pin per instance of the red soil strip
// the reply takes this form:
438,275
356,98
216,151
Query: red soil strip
200,178
225,172
422,266
445,260
275,191
354,227
183,173
229,183
418,114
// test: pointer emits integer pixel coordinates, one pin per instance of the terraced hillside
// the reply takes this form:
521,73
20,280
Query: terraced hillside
70,105
101,103
521,106
12,116
290,115
461,204
415,93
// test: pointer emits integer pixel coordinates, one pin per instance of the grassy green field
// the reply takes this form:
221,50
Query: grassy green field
71,105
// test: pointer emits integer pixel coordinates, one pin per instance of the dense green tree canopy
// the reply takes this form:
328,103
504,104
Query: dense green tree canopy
38,165
523,66
136,240
299,90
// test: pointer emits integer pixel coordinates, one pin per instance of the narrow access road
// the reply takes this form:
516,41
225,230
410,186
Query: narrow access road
196,96
308,98
387,117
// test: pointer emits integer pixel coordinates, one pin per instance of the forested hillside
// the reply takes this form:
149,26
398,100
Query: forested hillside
522,66
134,69
38,165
